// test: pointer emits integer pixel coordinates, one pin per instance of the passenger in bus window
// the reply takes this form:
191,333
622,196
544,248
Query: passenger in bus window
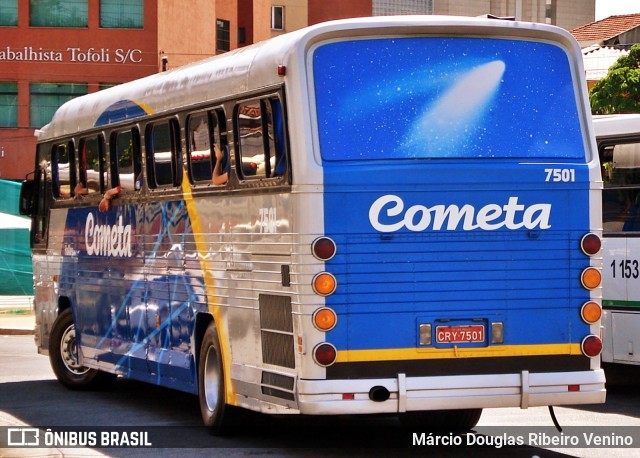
105,203
200,136
80,190
221,169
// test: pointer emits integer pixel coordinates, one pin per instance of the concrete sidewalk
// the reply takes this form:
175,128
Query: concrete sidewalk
17,315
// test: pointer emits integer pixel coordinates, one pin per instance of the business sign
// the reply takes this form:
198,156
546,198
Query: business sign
80,55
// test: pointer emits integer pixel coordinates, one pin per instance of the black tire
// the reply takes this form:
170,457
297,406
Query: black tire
63,355
216,414
449,420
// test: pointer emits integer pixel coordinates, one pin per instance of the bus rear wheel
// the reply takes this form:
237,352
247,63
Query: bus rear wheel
63,355
450,420
216,414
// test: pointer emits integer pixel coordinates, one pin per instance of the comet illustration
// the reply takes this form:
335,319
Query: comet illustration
451,119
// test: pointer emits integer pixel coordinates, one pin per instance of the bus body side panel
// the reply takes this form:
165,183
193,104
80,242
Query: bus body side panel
135,277
618,138
621,318
132,292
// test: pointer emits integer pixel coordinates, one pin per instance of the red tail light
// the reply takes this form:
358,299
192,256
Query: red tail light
325,354
323,248
591,346
590,244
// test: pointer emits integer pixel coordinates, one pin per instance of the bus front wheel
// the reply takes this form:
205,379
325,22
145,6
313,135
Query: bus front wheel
211,393
63,355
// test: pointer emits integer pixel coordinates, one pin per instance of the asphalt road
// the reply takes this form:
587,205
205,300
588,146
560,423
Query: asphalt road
31,397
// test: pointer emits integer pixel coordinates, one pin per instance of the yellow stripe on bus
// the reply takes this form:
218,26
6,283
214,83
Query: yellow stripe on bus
210,288
402,354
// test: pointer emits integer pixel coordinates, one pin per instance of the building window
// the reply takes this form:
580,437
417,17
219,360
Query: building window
8,104
58,13
550,12
277,17
222,35
103,86
393,7
122,14
9,12
46,98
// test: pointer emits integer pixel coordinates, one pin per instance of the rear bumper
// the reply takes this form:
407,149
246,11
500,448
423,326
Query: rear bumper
325,397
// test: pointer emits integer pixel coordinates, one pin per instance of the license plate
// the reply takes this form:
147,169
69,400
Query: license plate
460,334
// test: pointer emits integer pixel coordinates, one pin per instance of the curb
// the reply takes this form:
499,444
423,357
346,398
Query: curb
16,332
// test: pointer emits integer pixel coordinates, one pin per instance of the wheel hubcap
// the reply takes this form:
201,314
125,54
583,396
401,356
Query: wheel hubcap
211,379
69,352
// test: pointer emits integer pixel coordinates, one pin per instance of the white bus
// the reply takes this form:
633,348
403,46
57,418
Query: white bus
411,223
618,138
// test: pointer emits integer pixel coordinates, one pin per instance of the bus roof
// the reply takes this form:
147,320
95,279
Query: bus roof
616,125
256,66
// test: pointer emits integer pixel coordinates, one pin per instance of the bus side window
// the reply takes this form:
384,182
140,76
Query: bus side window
199,152
277,142
621,195
163,154
260,131
126,164
91,166
64,177
250,140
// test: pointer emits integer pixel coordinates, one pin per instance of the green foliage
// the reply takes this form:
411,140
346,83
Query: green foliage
619,91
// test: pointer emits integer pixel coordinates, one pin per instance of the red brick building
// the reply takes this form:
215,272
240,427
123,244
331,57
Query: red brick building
53,51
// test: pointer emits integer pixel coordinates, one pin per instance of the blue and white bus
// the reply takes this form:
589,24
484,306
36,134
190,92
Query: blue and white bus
410,223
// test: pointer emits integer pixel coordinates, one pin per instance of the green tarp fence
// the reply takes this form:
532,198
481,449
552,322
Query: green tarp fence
16,271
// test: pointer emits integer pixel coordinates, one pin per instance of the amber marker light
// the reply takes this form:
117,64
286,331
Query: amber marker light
324,284
325,319
591,312
591,278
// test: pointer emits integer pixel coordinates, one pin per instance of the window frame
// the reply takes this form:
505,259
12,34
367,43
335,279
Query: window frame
223,35
34,7
83,176
278,143
55,169
176,154
136,159
275,18
37,89
608,229
10,109
12,20
121,7
216,131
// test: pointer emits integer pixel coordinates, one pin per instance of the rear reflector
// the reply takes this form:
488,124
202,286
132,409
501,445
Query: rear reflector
591,346
590,244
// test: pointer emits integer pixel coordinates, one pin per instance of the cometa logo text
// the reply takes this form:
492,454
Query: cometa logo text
106,240
491,217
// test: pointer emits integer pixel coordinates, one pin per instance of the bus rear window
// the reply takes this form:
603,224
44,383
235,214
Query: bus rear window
407,98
